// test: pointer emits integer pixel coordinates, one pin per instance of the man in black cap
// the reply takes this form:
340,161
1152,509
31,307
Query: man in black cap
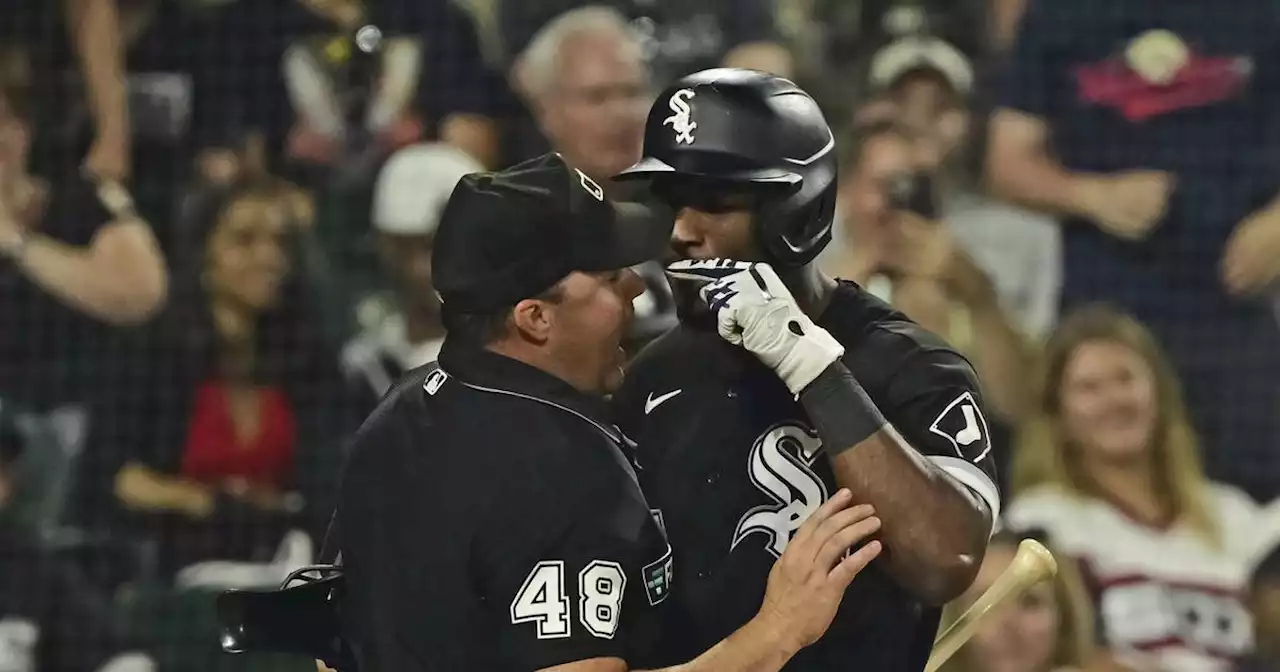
490,517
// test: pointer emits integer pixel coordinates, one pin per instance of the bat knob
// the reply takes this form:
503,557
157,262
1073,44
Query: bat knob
1035,561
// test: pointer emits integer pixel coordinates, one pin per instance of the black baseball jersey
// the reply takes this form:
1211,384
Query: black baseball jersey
733,466
491,519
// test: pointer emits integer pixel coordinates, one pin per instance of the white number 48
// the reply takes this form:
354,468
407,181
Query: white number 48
542,599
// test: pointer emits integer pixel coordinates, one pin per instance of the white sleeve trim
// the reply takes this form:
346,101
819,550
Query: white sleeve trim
973,478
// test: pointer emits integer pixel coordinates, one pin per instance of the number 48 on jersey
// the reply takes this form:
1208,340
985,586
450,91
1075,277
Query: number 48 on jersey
544,601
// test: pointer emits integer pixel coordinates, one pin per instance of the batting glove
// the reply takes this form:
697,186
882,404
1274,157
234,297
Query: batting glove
756,311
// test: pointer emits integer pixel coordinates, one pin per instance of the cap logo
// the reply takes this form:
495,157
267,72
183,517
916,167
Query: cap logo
679,120
590,185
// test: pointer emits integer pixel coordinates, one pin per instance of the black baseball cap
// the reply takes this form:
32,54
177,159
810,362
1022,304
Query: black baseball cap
512,234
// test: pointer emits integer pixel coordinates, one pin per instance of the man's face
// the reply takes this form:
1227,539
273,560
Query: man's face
595,112
407,261
922,97
591,319
866,208
711,222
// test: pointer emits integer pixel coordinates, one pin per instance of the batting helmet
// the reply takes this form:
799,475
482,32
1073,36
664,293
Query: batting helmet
735,128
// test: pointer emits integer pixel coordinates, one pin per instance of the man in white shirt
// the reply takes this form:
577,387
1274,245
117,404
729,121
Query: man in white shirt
401,331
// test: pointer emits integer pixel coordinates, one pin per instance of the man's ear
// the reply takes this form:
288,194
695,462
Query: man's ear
533,319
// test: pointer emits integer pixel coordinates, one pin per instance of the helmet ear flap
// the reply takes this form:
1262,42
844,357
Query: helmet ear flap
794,232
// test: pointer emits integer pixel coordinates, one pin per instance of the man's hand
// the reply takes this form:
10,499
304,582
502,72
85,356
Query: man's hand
807,583
1251,259
1127,205
756,311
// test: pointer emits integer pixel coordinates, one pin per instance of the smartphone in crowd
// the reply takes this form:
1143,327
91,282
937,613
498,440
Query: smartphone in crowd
916,193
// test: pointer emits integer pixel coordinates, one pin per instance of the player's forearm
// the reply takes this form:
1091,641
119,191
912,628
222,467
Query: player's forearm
935,530
95,30
757,646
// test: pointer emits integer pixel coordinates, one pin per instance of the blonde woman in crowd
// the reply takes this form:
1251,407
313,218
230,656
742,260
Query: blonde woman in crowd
1108,466
1049,629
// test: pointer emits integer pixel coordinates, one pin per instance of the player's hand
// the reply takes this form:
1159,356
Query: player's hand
756,311
807,583
1128,204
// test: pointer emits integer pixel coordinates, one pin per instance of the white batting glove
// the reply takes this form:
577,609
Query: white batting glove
756,311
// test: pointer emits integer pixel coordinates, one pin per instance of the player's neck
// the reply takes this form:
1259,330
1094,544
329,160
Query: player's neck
811,288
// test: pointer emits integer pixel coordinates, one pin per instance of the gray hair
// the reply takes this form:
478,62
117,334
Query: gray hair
538,65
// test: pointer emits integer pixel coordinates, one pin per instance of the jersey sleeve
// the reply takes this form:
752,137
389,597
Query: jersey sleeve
554,566
936,404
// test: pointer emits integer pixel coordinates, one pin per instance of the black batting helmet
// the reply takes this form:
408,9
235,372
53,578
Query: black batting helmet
747,129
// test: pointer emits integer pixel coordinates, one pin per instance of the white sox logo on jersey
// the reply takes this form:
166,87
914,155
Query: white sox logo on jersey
679,120
780,465
961,423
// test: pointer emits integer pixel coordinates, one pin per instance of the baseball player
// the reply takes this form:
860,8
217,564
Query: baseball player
781,385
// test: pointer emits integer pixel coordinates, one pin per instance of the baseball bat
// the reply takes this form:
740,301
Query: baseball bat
1032,564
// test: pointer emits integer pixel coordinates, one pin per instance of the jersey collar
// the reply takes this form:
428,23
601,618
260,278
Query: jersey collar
488,370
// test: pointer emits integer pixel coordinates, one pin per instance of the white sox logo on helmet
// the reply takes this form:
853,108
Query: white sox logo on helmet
679,120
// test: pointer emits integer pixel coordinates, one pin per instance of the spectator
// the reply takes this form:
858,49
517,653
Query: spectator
1264,598
102,264
83,36
51,619
1150,127
410,193
70,269
231,396
914,262
589,88
317,80
586,81
1108,465
677,38
926,84
1048,629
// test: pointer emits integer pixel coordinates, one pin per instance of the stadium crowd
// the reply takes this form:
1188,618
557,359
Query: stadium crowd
216,219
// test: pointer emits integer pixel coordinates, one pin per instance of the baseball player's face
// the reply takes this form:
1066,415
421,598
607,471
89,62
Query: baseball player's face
589,323
1109,404
1021,637
712,225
